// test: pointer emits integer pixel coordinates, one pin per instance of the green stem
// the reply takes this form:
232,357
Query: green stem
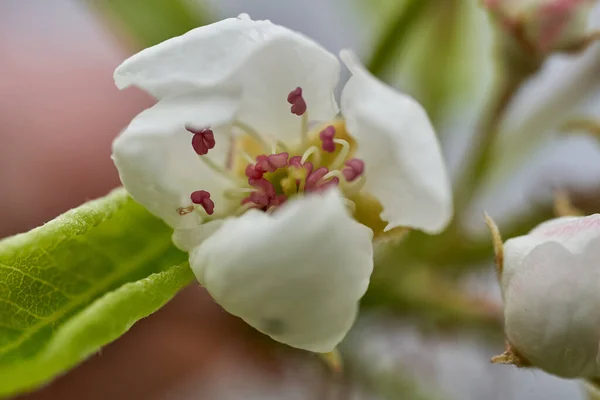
593,389
423,292
476,169
396,35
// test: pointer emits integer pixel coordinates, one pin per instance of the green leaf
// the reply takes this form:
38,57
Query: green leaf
78,283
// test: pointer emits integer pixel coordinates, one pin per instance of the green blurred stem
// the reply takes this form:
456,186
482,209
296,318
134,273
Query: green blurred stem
426,294
396,34
475,171
593,389
589,126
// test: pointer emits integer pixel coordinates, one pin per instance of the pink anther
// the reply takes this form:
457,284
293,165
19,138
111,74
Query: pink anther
296,161
326,136
297,101
314,182
262,164
260,199
313,179
202,198
278,200
554,19
203,140
252,173
278,160
333,182
354,168
271,162
264,186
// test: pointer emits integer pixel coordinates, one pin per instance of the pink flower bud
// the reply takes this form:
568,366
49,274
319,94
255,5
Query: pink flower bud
550,287
543,25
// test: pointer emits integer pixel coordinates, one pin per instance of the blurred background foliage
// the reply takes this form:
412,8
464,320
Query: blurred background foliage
493,116
150,22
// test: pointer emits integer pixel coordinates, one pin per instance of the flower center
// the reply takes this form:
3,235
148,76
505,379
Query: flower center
267,173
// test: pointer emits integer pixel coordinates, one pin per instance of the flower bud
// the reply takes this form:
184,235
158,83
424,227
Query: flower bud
543,26
551,289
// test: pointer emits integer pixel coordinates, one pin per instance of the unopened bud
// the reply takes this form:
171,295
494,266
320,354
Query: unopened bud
550,285
543,26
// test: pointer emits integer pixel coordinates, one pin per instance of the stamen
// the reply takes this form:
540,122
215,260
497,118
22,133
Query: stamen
356,186
297,101
322,179
304,129
264,185
354,168
202,198
263,200
260,199
326,137
278,200
339,160
185,210
350,204
333,182
252,173
312,150
271,162
220,170
282,146
253,134
278,160
246,156
230,152
262,164
313,179
336,173
297,162
203,139
235,193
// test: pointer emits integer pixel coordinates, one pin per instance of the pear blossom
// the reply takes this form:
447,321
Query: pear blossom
275,195
543,25
550,285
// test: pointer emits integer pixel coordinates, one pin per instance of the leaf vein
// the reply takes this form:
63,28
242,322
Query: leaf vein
21,308
101,285
34,278
69,272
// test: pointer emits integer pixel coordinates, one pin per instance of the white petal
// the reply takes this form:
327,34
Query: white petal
551,309
296,275
157,163
574,233
264,60
404,167
187,238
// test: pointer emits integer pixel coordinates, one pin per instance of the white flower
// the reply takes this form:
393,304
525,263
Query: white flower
545,25
551,289
274,195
